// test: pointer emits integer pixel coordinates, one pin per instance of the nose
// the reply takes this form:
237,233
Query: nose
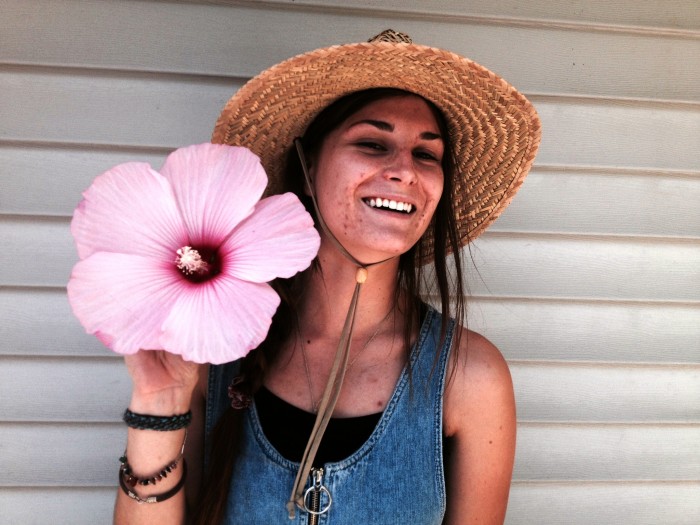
401,168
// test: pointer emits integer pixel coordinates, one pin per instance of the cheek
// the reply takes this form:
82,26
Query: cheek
334,202
434,192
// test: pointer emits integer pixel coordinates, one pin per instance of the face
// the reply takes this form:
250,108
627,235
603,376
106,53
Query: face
378,177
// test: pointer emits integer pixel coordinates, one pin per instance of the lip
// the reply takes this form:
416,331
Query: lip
395,204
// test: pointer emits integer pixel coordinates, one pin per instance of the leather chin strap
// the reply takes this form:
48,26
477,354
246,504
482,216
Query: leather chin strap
340,362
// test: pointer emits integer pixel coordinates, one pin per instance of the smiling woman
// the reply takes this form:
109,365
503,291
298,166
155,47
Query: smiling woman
363,405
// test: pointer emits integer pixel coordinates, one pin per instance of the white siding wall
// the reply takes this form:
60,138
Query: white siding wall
589,283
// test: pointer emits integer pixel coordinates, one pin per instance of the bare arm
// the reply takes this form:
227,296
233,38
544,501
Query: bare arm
164,385
480,417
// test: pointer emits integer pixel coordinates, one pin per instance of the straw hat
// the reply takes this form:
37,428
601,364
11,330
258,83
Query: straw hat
494,129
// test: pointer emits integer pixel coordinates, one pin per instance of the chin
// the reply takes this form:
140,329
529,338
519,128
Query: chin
369,256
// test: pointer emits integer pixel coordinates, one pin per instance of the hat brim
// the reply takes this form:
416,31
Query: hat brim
494,130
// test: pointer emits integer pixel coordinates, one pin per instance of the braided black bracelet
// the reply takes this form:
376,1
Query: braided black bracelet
161,423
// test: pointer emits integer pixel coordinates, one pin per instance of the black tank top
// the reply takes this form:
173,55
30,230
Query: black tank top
288,428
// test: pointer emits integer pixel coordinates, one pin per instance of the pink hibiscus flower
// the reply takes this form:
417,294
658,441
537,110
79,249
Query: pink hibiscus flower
179,260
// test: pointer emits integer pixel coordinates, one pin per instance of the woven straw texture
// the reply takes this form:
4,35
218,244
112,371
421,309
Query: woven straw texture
494,130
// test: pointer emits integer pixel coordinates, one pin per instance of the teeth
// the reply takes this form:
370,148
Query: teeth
390,204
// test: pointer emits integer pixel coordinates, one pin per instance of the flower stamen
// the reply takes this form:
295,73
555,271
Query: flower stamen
189,261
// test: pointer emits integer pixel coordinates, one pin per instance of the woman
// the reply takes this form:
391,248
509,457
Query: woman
407,154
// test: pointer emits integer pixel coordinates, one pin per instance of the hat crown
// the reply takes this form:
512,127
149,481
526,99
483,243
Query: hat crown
389,35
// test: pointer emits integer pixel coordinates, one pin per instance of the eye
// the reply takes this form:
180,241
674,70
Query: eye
427,155
370,145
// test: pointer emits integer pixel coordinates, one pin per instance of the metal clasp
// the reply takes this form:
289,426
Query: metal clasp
312,496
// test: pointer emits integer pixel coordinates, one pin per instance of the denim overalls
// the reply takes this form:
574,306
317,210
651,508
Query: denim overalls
396,477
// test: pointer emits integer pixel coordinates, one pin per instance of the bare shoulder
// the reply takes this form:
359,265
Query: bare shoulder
479,414
479,382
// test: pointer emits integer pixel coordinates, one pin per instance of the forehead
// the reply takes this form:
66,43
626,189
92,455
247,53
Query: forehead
410,110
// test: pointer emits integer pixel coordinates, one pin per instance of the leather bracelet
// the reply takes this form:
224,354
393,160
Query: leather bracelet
156,498
160,423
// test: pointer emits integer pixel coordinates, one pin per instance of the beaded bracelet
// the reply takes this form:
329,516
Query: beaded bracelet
156,498
127,478
132,480
160,423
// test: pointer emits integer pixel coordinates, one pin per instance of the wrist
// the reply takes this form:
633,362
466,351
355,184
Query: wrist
161,403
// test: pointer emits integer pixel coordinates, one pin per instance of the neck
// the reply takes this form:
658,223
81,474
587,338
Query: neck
328,292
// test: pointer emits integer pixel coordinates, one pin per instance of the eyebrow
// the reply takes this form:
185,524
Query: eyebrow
385,126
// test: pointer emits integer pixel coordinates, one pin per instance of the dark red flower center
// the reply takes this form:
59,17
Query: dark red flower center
198,264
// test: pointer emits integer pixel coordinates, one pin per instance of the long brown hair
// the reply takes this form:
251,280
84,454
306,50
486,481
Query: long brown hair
411,276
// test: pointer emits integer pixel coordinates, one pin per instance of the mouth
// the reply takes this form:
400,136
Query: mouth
390,205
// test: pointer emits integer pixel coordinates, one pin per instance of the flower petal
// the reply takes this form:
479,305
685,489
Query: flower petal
216,187
277,240
124,299
128,209
220,320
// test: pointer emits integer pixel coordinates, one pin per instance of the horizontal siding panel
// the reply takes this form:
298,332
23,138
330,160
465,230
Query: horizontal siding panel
653,204
603,331
523,329
79,455
581,452
678,14
110,109
550,504
155,112
42,252
92,390
619,134
570,392
580,267
182,38
39,322
198,39
604,504
50,180
547,266
549,393
59,506
549,452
